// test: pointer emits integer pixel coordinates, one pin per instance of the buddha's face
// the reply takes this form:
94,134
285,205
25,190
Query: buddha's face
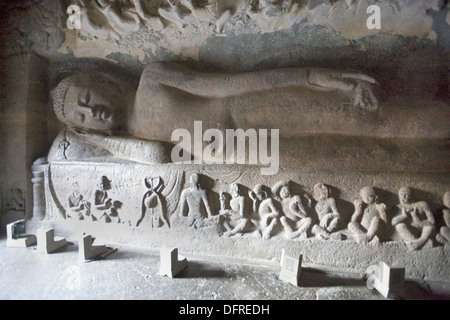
95,106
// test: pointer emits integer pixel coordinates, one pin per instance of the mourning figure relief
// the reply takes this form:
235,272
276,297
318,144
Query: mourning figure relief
328,216
105,207
414,222
77,207
295,221
369,218
194,203
443,236
236,220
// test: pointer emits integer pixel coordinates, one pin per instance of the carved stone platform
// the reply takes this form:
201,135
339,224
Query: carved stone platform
145,203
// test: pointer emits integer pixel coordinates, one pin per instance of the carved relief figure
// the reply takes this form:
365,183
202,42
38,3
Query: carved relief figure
77,207
444,235
414,221
237,219
106,116
194,203
153,210
295,221
327,212
268,213
369,217
16,201
106,206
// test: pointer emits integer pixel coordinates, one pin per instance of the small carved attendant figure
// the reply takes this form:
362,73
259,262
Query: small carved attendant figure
414,222
153,212
367,224
77,207
267,211
194,201
444,235
327,212
236,220
104,203
295,220
16,201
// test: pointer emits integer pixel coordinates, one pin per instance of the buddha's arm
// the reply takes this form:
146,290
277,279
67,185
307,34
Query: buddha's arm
220,85
130,148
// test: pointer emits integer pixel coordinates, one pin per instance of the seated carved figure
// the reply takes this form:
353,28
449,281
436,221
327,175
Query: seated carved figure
444,235
267,211
295,221
327,213
106,116
77,207
237,219
105,206
414,221
194,202
366,223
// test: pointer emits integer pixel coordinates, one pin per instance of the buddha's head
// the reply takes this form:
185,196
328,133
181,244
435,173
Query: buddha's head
92,101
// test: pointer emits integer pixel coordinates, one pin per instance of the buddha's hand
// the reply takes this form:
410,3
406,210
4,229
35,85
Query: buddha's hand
364,96
358,84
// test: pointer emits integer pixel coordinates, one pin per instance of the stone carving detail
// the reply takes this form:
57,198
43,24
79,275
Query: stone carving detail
15,201
414,222
105,207
236,219
153,210
77,207
113,19
444,233
296,222
106,117
282,211
194,203
369,218
327,213
268,211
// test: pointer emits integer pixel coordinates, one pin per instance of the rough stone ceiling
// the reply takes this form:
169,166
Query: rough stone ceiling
227,34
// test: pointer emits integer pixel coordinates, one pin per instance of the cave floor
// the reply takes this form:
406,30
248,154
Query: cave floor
127,274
